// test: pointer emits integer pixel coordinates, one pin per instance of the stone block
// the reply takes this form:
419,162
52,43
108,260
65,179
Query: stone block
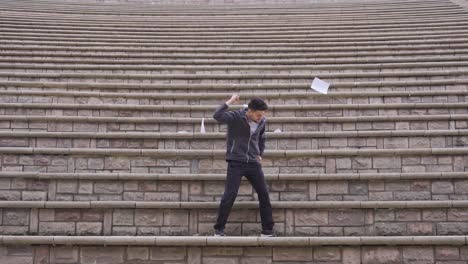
102,255
332,187
381,255
149,217
292,254
347,217
57,228
418,254
123,217
168,253
88,229
327,254
137,253
311,217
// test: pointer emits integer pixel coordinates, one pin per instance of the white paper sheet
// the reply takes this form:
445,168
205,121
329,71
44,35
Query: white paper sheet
202,128
320,86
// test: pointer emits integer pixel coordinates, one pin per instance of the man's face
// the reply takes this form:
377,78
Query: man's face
254,115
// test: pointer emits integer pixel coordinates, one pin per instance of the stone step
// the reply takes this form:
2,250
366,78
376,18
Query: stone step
209,250
46,107
275,44
48,27
197,250
220,70
10,18
325,219
330,135
232,35
239,20
210,18
12,23
229,69
213,161
276,141
236,78
235,41
239,10
152,177
183,125
373,87
250,8
247,6
246,14
337,88
423,57
13,52
206,187
217,152
385,97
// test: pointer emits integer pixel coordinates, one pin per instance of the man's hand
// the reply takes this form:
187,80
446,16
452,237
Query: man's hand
234,99
259,158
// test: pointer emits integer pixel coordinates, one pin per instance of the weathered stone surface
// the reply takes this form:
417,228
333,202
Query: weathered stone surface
347,217
101,255
57,228
108,187
88,229
311,217
137,253
327,254
332,187
123,217
168,253
418,255
381,255
292,254
15,217
117,163
149,217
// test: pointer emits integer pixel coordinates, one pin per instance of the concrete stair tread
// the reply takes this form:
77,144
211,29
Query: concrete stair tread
200,153
190,88
238,204
140,24
85,65
397,27
221,135
400,74
230,41
441,11
236,35
197,120
182,241
206,107
221,176
216,63
211,31
223,95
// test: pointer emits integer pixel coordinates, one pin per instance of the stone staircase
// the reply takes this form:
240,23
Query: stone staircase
102,159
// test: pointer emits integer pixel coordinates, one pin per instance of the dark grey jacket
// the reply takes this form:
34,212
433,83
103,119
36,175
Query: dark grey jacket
240,144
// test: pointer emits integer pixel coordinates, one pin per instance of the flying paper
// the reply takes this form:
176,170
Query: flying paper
320,86
202,128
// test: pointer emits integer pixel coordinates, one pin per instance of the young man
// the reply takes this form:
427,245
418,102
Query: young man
245,146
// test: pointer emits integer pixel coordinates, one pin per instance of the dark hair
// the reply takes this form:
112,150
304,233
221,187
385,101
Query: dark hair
258,104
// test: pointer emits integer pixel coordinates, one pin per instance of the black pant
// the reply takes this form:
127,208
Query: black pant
254,173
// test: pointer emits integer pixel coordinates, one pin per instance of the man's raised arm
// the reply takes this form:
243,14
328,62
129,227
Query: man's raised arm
220,113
